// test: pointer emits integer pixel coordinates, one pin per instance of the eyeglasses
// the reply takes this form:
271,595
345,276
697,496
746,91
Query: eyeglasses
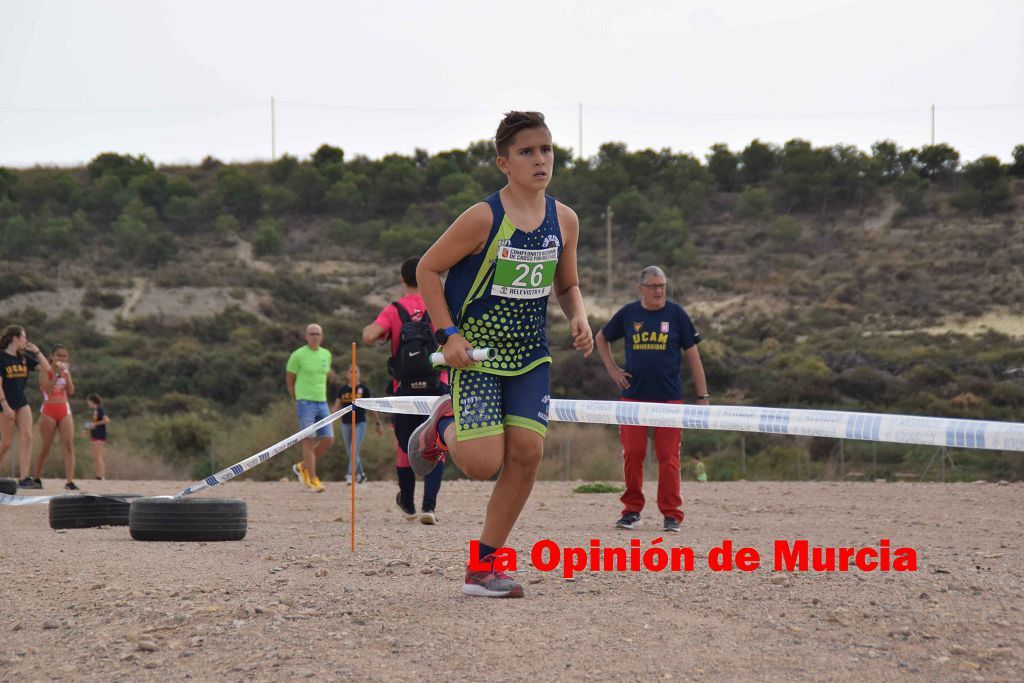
654,286
314,334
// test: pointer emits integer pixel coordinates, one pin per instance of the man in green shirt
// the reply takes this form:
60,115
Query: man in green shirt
307,384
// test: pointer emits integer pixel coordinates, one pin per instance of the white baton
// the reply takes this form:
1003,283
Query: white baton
476,354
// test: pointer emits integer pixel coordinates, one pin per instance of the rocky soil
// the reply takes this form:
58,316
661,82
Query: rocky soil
294,601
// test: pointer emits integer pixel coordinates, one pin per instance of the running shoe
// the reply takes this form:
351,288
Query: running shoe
671,524
71,486
491,583
425,449
29,483
299,470
361,478
629,520
38,481
348,479
407,512
314,483
428,517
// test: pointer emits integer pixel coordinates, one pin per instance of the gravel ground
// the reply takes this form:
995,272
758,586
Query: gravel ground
292,600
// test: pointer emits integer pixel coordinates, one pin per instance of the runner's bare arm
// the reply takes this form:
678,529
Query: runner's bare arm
567,282
289,378
700,382
374,333
467,235
70,382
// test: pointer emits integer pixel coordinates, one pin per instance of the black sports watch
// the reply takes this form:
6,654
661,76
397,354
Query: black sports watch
441,334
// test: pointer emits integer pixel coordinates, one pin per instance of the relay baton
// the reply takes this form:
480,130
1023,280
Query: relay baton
476,354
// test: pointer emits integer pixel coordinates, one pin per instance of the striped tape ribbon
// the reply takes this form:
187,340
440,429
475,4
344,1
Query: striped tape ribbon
8,499
261,457
220,477
837,424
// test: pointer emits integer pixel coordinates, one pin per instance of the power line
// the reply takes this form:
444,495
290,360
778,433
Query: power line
153,110
793,115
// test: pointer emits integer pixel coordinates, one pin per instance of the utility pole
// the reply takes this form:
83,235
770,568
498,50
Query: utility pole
608,238
273,132
933,125
580,152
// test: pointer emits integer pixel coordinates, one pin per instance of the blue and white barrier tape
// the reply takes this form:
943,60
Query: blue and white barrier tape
837,424
261,457
8,499
213,479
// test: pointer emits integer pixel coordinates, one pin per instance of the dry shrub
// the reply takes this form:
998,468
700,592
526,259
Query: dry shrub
125,459
125,462
581,451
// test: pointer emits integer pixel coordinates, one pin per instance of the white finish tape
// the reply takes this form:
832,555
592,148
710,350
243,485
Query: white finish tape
931,431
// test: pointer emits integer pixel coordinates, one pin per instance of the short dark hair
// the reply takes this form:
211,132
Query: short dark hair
95,398
512,124
409,270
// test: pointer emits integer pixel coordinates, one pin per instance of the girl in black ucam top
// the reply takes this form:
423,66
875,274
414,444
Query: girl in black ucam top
18,358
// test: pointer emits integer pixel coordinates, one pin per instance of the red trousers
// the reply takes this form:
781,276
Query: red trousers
634,450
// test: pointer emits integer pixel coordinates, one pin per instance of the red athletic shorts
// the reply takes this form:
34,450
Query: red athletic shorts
56,411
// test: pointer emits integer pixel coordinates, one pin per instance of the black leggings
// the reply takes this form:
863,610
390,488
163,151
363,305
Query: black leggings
431,486
404,427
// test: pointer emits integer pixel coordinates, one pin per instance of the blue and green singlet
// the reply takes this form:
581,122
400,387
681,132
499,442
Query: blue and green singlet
499,297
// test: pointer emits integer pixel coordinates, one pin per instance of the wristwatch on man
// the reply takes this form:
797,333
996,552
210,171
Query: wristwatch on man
441,334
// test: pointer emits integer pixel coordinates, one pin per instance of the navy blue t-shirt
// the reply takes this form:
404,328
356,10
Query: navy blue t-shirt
99,432
653,342
14,372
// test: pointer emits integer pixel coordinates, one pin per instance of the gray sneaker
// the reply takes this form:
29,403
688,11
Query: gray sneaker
629,520
424,447
491,583
671,524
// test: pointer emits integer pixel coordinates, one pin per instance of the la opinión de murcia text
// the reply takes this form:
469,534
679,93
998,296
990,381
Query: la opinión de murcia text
787,556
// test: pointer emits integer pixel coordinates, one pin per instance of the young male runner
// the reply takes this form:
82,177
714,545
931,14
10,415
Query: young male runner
503,256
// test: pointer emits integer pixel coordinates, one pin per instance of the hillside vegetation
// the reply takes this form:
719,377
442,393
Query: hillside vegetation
885,281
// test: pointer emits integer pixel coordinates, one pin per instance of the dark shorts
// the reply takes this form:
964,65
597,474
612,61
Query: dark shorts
486,403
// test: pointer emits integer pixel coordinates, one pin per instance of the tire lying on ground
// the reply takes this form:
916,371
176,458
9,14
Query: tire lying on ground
188,519
9,486
86,511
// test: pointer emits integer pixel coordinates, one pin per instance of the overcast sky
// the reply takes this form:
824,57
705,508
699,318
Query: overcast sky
178,80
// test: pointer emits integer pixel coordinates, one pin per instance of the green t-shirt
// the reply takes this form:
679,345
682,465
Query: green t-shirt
310,369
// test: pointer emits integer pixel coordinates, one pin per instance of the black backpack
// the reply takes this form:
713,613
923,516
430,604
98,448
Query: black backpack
411,364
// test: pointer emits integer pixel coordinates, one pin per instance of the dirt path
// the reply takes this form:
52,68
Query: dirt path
292,601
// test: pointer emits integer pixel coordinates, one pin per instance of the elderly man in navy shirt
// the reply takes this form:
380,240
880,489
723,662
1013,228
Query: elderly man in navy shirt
657,333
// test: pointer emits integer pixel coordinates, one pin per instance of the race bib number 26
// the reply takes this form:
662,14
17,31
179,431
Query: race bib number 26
524,273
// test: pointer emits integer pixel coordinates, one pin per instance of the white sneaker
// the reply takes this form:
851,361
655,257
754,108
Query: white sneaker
428,518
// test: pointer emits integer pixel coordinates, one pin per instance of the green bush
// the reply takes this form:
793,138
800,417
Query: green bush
267,239
181,438
754,204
